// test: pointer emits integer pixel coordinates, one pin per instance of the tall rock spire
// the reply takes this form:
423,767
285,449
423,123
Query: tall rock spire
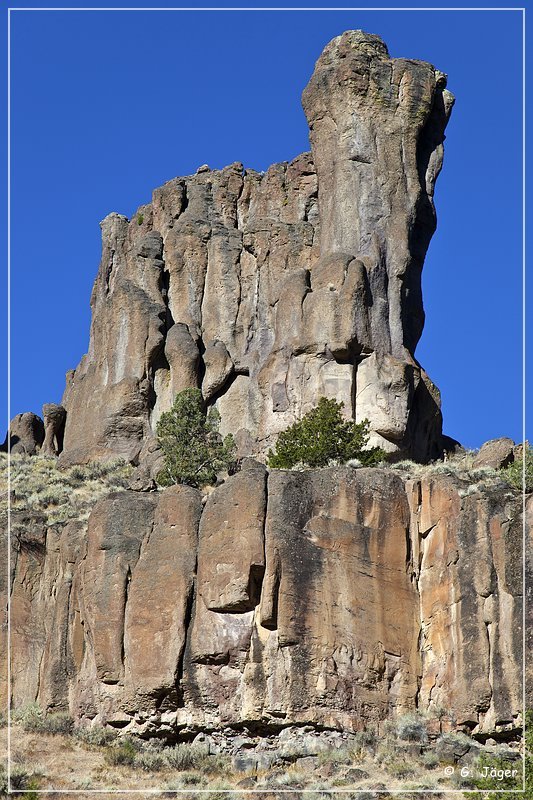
270,290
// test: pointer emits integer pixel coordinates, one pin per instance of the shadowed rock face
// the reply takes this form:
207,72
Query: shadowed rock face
270,290
54,425
334,597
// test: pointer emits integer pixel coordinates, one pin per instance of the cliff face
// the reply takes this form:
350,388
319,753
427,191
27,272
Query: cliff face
270,290
336,597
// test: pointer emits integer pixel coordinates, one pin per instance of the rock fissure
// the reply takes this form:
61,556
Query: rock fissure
187,624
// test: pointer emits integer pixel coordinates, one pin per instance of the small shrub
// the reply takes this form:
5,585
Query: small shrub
216,765
140,219
187,756
401,769
193,449
365,739
514,473
219,791
32,787
387,752
122,753
334,756
57,724
77,473
34,720
323,436
20,777
429,760
193,779
97,736
53,496
85,784
411,728
29,717
150,761
405,466
290,778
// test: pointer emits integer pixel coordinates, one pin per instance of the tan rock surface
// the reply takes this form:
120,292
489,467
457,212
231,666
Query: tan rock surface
336,597
271,290
367,610
160,593
117,527
469,577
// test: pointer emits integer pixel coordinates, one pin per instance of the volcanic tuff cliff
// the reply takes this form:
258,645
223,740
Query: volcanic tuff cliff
334,597
269,290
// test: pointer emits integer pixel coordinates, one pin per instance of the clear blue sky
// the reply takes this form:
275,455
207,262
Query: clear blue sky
107,106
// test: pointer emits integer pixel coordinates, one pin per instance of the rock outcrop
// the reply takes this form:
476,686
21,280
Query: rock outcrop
25,435
54,428
336,598
498,453
270,290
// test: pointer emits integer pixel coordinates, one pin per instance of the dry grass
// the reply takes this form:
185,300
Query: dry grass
40,488
461,467
45,755
45,759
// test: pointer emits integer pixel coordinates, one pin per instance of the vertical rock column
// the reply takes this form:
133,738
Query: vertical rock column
108,398
377,128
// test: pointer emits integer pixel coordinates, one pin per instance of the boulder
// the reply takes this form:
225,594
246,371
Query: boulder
25,435
496,453
451,747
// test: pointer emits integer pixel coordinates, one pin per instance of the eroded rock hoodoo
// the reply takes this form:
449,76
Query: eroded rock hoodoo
269,290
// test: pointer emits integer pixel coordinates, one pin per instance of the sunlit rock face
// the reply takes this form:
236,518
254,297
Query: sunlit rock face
337,598
270,290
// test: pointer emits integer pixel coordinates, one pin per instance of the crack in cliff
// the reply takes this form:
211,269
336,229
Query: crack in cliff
187,624
127,582
109,270
184,199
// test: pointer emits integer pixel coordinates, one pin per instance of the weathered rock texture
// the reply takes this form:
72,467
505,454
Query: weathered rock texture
270,290
25,435
54,428
335,597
